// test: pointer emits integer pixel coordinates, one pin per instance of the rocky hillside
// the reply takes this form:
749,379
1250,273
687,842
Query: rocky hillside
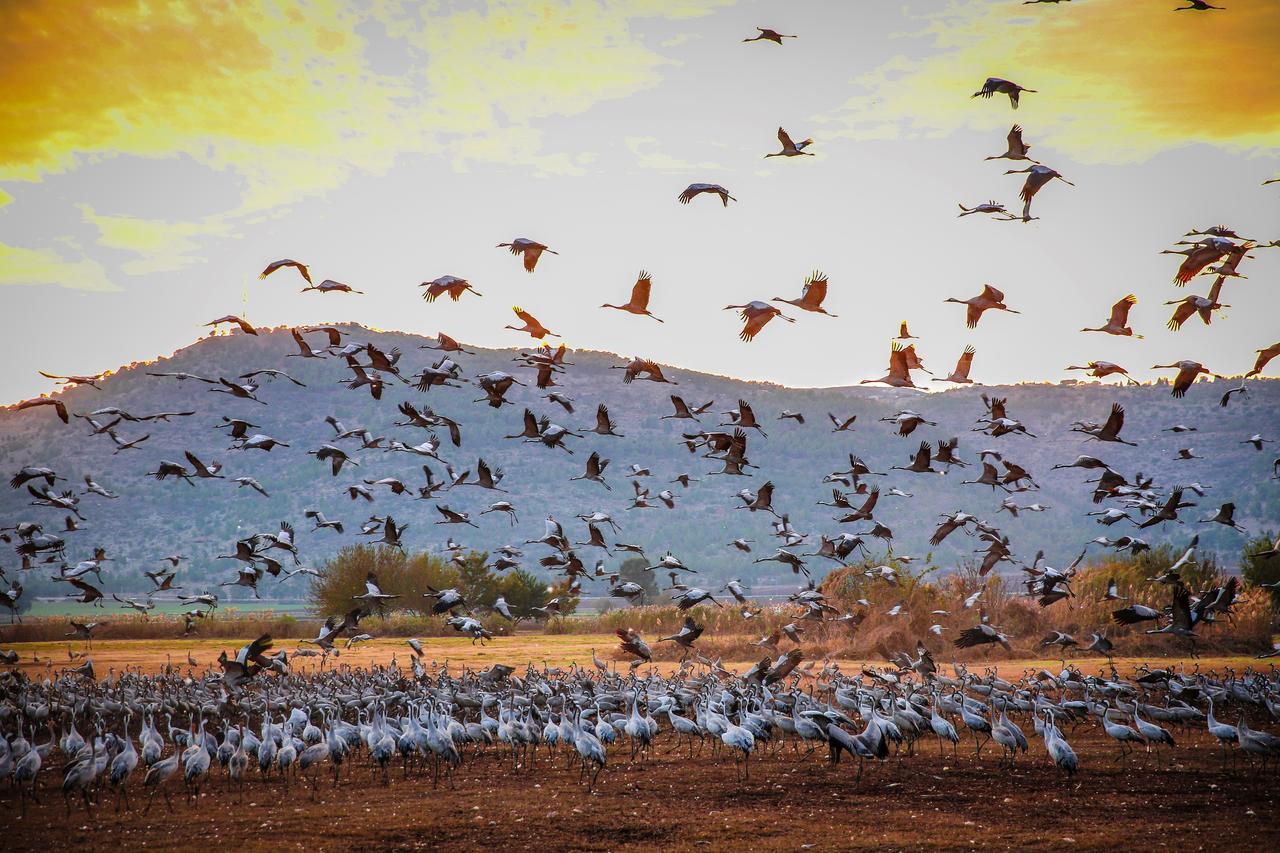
151,519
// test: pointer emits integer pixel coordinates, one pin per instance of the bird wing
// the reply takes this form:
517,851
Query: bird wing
640,291
1120,311
785,139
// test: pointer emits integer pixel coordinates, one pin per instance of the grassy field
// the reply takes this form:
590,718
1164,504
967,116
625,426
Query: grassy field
42,608
521,650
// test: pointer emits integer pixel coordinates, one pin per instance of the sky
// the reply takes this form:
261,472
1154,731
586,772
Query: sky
155,156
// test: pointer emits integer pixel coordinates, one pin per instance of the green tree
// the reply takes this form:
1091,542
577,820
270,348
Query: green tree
1258,569
633,569
343,578
523,591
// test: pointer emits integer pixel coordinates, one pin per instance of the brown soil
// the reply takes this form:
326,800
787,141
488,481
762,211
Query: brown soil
672,802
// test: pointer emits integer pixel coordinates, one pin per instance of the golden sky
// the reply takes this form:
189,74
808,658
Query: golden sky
154,151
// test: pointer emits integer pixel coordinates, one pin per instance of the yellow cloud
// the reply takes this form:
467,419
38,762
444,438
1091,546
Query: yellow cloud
161,246
20,266
284,93
1117,82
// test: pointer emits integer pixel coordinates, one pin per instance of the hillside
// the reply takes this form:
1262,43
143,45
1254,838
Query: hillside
151,519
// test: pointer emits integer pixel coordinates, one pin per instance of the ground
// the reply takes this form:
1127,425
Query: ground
926,801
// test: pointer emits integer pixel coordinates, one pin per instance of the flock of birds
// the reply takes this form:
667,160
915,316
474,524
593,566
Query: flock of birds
311,724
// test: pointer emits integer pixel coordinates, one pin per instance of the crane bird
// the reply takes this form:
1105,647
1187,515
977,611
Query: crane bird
899,375
531,249
960,375
1264,356
1199,6
694,190
988,299
1187,373
1103,369
1000,86
58,406
331,286
789,148
768,35
287,262
756,315
75,380
454,287
231,319
1037,176
531,325
812,296
1017,149
639,302
1189,306
1118,323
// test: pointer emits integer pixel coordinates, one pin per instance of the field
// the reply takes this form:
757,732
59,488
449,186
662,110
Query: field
672,802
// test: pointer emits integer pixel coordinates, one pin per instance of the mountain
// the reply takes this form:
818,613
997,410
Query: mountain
151,519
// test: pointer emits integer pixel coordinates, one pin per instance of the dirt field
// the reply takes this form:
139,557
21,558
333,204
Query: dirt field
672,802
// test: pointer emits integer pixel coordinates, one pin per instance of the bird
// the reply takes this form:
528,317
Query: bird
960,375
694,190
639,302
756,316
1198,6
91,381
531,325
1187,372
1103,369
59,407
769,35
1118,323
331,286
1017,149
287,262
789,148
988,299
1264,356
447,284
531,250
231,319
812,297
996,85
1037,176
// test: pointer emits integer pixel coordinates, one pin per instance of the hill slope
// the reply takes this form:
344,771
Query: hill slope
151,519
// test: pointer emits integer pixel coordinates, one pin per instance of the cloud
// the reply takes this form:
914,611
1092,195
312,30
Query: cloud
161,246
1117,82
22,266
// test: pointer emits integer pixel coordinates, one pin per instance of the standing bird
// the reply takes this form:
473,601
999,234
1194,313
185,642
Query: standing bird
768,35
531,249
1118,323
694,190
531,325
997,85
1017,149
989,298
639,302
789,148
1037,176
813,295
756,315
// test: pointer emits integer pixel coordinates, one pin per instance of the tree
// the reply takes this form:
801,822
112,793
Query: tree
633,569
1258,569
523,591
343,578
